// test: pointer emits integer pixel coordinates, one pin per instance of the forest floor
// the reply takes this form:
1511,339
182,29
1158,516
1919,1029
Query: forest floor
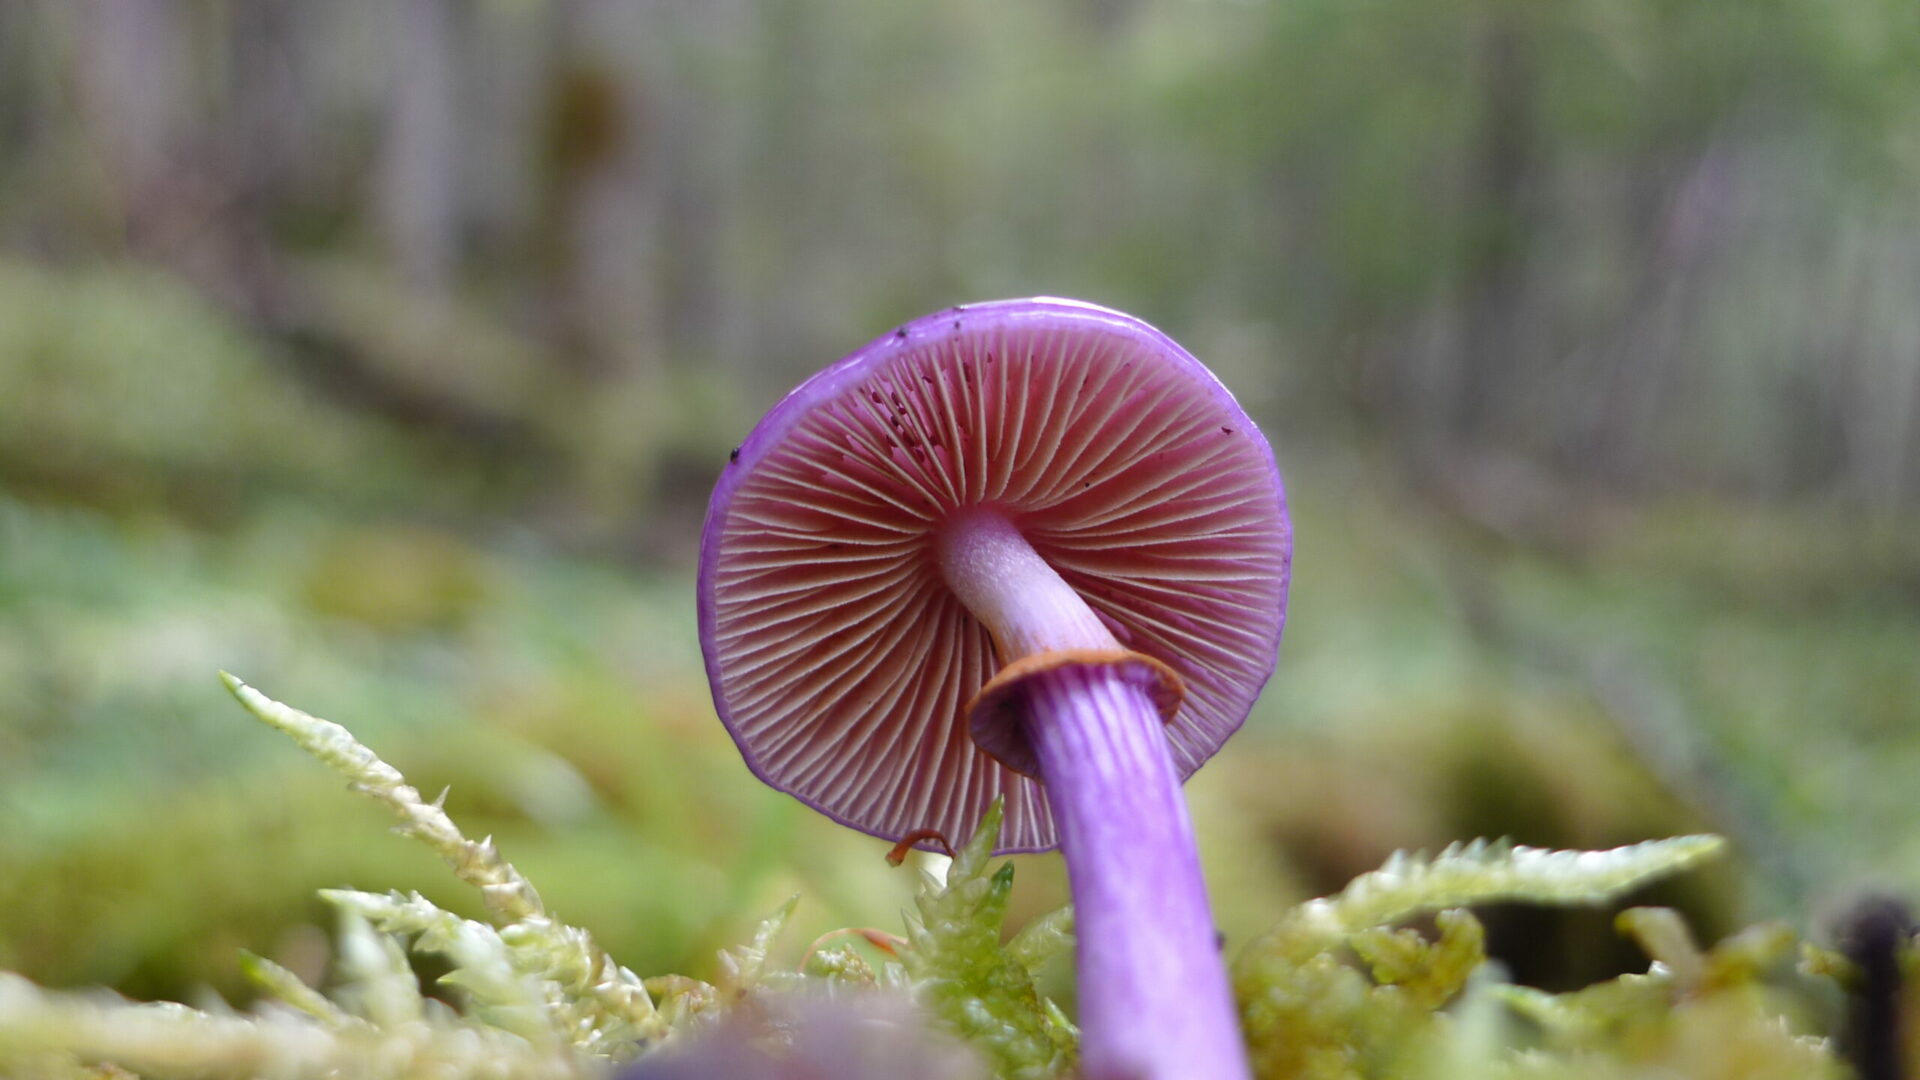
1705,669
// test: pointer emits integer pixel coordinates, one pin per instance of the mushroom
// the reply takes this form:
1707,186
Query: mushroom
1029,550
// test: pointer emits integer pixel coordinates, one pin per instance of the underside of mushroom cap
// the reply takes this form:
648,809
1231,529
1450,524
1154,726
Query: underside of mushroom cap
841,662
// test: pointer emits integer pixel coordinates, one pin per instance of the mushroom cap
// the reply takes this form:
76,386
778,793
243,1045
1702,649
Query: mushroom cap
841,662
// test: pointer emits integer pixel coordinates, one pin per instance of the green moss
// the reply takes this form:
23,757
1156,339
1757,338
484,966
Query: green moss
1349,986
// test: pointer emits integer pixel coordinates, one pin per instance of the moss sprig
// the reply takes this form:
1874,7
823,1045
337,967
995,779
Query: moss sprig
58,1036
1338,990
980,989
607,1009
1488,871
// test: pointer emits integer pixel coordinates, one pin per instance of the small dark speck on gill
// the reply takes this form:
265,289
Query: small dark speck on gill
1225,430
900,334
733,455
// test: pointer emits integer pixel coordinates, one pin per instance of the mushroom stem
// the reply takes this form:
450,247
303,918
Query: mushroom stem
1010,588
1154,999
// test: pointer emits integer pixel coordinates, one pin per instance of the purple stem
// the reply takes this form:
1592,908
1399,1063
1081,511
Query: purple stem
1154,1002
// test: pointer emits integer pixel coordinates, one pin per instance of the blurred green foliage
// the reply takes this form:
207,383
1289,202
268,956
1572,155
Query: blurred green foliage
568,712
122,385
388,358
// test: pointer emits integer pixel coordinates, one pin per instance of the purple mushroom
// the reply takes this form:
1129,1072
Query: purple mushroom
1032,550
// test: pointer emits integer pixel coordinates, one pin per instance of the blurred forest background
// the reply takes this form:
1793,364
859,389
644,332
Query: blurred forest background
384,352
